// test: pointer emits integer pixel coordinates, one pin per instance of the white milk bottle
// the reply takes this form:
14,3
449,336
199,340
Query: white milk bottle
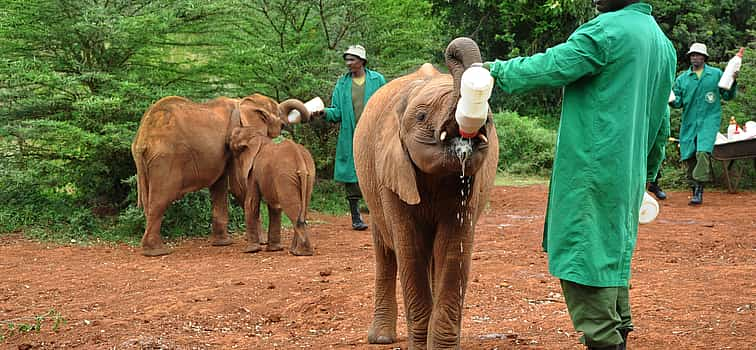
314,105
649,209
733,66
472,108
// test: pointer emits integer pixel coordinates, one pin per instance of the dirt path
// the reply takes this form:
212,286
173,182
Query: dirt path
693,287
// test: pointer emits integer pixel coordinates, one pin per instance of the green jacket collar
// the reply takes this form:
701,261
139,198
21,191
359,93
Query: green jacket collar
369,74
706,70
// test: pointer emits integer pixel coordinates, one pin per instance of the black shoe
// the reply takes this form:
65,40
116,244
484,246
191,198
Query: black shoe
357,223
697,195
623,333
654,188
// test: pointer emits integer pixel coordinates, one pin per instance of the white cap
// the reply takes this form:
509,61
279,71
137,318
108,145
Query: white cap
356,50
698,48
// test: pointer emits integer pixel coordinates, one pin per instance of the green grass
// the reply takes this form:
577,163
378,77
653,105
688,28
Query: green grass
519,180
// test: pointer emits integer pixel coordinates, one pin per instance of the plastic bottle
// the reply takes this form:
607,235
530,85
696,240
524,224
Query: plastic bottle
733,66
314,105
472,108
731,128
750,129
649,209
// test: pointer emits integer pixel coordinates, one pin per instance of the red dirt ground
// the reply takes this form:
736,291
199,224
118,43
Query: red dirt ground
693,287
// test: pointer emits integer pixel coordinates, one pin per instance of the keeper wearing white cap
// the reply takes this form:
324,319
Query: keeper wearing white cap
697,93
351,94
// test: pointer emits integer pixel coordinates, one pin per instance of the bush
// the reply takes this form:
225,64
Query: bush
525,147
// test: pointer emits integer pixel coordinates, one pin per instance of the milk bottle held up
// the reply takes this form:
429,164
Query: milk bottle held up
733,66
472,108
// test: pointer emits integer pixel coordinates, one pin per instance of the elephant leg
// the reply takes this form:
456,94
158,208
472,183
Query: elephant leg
300,241
152,243
274,229
161,195
219,197
383,328
252,219
418,301
413,248
451,266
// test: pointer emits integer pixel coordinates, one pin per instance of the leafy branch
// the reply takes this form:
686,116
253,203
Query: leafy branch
22,325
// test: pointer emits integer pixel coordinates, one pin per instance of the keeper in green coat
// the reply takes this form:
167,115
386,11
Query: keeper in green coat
617,71
698,94
351,94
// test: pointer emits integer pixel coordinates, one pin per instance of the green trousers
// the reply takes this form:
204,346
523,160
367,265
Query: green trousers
599,312
699,168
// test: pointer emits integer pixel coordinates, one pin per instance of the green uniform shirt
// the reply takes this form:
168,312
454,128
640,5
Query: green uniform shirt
342,110
700,99
617,70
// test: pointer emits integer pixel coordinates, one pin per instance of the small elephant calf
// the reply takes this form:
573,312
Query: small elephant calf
283,175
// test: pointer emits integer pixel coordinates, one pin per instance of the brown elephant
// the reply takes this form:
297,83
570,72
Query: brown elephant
183,146
425,187
283,175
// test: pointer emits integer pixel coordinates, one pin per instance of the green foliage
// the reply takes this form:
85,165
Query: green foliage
76,77
525,147
12,327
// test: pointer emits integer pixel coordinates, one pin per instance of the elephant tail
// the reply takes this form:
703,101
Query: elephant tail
142,183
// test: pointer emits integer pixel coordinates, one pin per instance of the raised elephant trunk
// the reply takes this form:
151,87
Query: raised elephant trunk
460,54
285,107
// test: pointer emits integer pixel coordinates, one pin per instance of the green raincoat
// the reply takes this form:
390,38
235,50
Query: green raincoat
341,110
700,100
617,70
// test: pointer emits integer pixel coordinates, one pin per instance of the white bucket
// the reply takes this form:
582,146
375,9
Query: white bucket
649,209
475,90
314,105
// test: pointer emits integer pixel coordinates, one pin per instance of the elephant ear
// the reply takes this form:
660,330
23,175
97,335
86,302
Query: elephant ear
245,145
257,108
393,165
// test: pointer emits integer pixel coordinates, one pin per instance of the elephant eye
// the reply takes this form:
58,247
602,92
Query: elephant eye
420,116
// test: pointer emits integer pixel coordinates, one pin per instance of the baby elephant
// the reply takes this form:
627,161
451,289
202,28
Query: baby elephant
283,175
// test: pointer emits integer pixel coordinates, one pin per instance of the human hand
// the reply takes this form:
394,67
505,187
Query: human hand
317,114
735,75
487,65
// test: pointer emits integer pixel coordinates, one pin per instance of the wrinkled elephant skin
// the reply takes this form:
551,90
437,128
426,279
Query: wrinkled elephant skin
182,146
422,208
283,175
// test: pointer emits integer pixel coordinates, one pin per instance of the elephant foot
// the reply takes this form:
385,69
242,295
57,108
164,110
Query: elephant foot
381,335
273,247
252,248
222,241
301,252
162,250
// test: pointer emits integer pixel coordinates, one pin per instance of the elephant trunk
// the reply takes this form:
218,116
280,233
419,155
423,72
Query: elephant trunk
460,54
285,107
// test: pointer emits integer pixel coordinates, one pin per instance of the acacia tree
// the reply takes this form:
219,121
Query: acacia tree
76,77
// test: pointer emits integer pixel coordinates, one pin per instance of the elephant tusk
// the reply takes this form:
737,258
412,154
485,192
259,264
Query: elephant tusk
483,138
443,135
